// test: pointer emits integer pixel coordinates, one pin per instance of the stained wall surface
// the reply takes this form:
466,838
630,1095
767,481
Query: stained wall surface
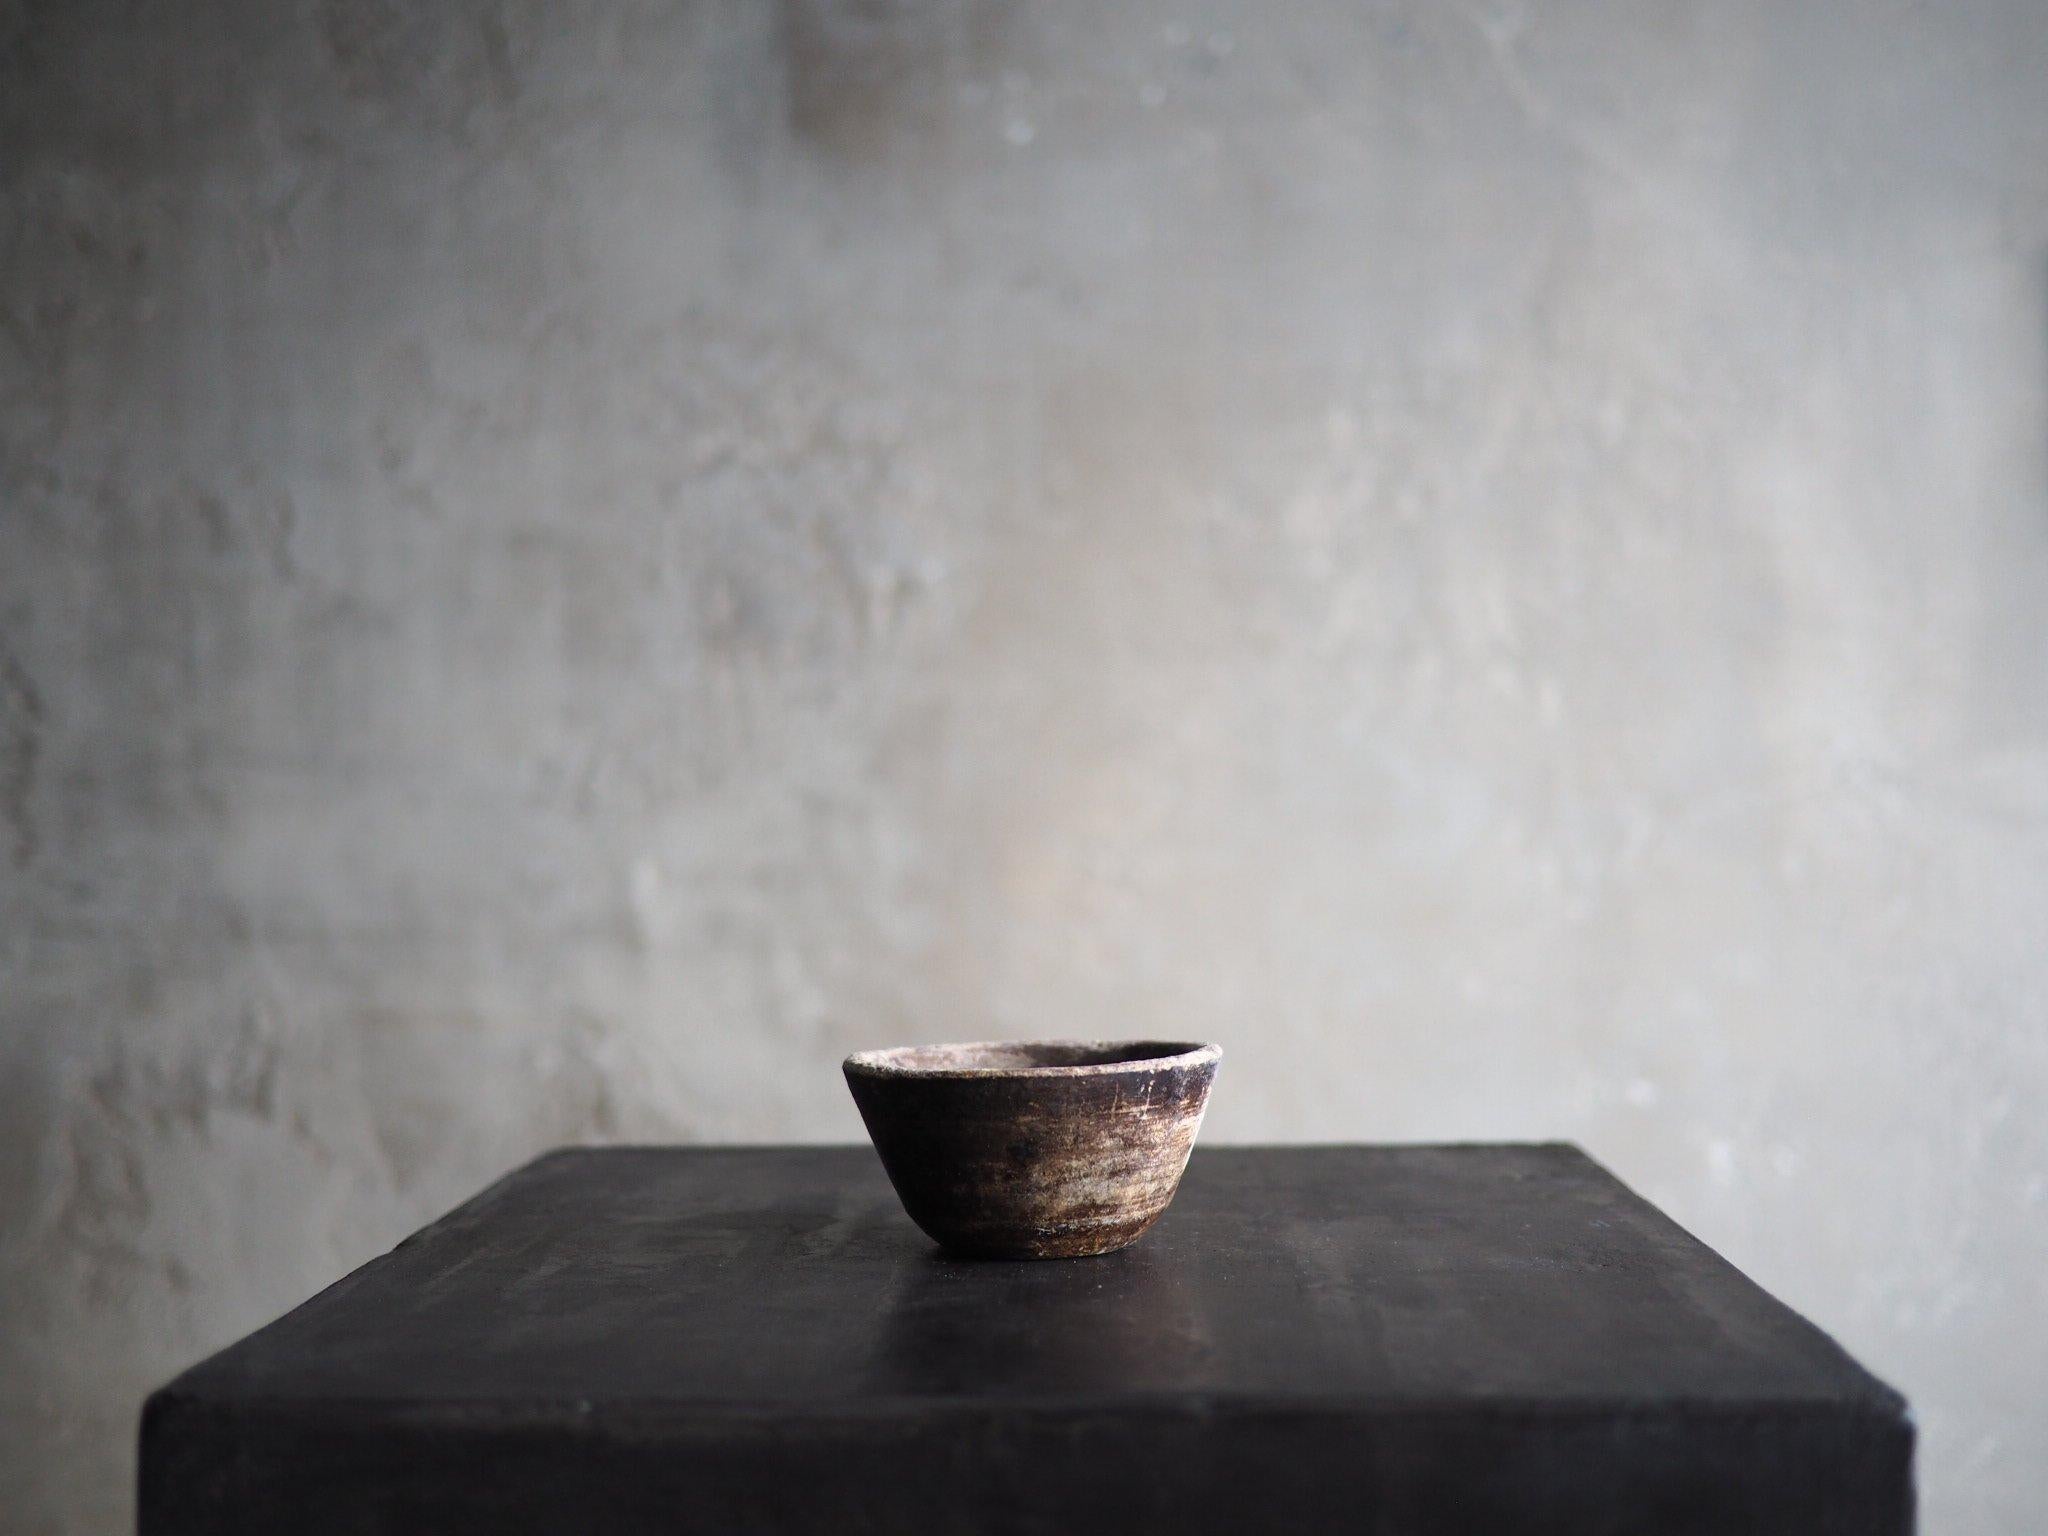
563,565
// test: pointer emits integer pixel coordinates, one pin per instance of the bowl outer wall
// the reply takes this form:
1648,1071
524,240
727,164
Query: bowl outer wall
1043,1163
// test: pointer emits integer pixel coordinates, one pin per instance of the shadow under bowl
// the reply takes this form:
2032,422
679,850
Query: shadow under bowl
1035,1149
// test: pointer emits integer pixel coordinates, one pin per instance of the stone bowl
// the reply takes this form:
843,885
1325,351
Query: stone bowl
1048,1149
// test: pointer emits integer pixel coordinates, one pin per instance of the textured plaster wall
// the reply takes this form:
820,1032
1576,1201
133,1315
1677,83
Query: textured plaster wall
563,565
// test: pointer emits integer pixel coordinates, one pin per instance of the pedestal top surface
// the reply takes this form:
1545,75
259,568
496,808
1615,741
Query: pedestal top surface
765,1278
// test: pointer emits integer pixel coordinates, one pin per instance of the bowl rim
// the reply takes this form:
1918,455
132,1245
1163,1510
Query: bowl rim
886,1062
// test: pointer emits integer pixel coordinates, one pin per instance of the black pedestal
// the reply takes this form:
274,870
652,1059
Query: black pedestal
1411,1340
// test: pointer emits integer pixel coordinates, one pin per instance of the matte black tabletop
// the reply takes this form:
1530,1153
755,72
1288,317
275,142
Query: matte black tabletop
1368,1339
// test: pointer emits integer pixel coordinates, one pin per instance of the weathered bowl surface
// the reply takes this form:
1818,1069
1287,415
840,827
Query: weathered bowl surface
1035,1150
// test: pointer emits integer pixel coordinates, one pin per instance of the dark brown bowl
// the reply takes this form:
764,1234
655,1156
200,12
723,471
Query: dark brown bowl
1047,1149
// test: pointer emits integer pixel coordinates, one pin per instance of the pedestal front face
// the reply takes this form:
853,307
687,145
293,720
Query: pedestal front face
1404,1340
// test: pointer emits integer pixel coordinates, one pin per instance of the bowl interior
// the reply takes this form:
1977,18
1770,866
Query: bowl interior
1014,1057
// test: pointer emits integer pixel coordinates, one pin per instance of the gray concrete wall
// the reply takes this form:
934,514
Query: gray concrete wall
562,566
